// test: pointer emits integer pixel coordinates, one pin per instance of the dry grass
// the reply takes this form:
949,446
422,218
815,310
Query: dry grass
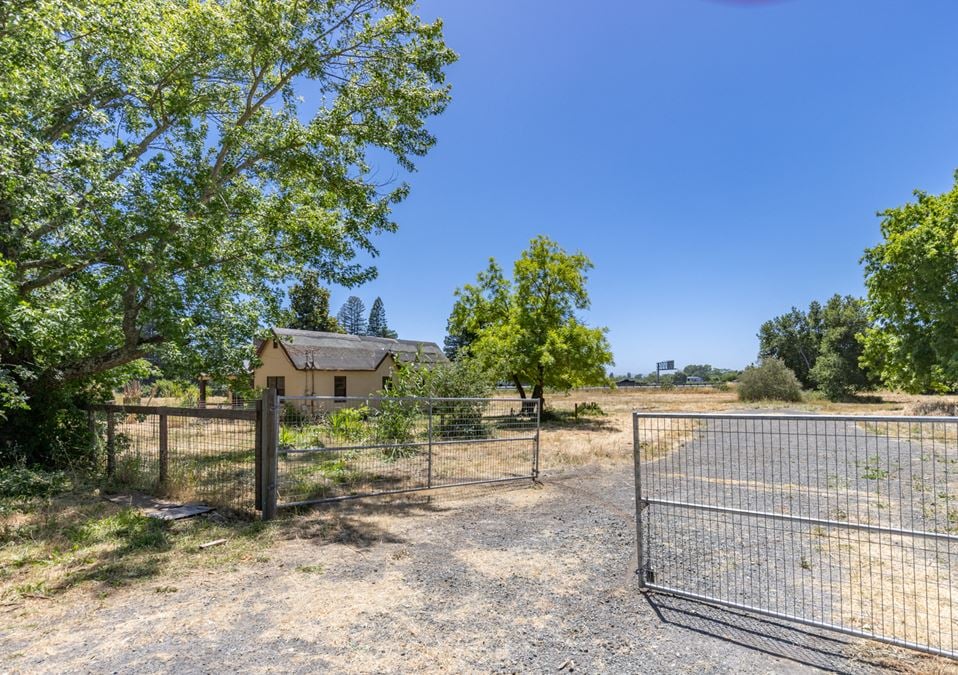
79,540
607,439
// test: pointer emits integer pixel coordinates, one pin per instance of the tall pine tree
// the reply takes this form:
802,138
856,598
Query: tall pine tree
352,316
309,306
377,321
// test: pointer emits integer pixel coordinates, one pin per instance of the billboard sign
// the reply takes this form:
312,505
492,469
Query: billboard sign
665,365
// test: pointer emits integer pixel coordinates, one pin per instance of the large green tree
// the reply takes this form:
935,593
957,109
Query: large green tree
166,165
794,338
309,306
526,329
821,346
912,282
838,371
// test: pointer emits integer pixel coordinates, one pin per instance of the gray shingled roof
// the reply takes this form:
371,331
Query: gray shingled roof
313,350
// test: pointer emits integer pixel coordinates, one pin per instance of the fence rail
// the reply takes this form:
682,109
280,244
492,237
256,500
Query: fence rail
843,522
196,454
335,448
291,451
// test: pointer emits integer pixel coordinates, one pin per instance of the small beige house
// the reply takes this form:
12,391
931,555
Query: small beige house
311,363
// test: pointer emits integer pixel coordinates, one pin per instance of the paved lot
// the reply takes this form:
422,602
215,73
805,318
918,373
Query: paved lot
505,580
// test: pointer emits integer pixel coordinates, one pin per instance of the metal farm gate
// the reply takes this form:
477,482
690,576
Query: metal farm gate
842,522
326,448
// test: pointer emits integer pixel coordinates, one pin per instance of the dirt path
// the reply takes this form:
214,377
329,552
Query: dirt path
504,580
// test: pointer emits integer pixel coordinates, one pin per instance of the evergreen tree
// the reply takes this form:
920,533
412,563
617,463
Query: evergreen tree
352,316
377,325
309,306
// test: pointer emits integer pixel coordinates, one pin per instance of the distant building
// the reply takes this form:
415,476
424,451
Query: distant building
694,379
312,363
626,382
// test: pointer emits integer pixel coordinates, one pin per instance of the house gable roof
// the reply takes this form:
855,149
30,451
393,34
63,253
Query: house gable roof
315,350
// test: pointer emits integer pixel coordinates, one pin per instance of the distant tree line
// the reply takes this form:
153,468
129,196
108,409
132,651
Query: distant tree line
709,374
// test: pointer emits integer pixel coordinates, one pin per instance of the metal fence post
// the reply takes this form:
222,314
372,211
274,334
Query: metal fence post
270,453
110,444
637,455
164,450
429,460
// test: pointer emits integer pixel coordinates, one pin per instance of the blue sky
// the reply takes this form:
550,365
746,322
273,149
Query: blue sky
718,161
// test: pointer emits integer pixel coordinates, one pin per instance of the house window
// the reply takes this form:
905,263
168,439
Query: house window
339,386
277,383
386,381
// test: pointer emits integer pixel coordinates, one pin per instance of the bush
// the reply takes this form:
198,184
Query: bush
349,424
770,380
20,482
167,389
190,397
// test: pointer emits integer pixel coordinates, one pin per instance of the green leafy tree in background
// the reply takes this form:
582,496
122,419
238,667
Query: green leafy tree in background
352,316
377,325
912,282
794,338
801,339
526,330
309,306
164,170
837,372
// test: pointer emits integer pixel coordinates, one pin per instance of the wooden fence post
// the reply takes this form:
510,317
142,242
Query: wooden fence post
270,453
110,444
164,451
258,479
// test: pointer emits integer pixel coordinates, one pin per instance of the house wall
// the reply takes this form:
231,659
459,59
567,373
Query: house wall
317,382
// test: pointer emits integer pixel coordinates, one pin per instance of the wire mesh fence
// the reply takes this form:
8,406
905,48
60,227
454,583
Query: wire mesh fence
187,454
336,448
849,523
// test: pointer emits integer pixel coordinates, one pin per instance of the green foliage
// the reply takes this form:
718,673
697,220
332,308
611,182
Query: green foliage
349,424
21,482
377,325
770,380
527,330
161,178
352,316
912,282
793,338
168,389
309,306
190,396
837,371
822,346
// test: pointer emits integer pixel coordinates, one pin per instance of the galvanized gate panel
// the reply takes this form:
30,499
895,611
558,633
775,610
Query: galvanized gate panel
333,448
841,522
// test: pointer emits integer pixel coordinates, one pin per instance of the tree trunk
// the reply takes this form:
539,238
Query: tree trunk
519,387
537,392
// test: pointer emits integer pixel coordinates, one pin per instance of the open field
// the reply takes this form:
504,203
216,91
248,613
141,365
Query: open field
510,579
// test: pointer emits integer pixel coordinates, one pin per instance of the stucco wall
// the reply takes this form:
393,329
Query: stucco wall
317,382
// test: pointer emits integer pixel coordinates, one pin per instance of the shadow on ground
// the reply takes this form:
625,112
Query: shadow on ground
801,645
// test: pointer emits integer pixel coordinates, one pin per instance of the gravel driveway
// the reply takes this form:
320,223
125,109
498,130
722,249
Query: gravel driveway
505,580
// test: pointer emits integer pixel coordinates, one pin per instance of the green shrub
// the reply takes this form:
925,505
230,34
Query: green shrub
190,397
167,389
770,380
20,482
349,424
